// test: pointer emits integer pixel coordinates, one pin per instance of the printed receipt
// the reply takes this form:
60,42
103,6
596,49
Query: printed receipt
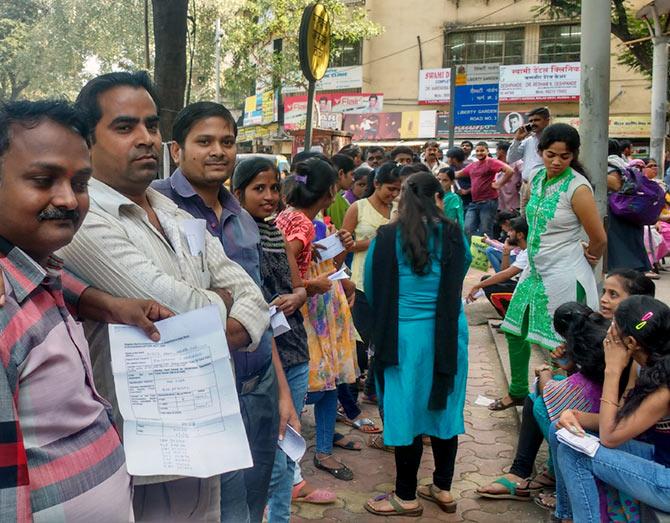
178,398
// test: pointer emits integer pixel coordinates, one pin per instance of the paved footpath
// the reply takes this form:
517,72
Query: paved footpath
484,450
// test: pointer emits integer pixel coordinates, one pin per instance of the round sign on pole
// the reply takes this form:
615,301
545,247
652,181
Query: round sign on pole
314,43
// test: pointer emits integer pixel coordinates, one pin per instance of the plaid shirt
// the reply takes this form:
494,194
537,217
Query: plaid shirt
60,456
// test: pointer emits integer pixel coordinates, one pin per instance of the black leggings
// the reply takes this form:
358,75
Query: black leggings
408,460
530,439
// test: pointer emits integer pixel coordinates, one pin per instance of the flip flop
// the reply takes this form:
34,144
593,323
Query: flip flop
377,442
343,473
543,479
428,492
316,497
349,445
499,405
363,422
398,509
547,501
512,491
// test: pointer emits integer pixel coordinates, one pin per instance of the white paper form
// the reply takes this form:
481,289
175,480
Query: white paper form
178,398
278,322
293,444
331,247
339,275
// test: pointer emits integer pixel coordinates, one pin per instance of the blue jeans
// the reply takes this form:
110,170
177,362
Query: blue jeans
480,218
325,410
495,258
281,483
629,468
562,500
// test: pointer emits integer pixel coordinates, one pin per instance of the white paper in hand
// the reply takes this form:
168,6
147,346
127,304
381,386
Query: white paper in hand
194,230
278,321
293,444
329,247
587,444
339,275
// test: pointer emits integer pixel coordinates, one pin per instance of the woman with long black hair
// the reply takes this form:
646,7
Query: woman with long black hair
414,276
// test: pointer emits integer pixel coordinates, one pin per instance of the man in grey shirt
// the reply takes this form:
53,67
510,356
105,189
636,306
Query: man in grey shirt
524,147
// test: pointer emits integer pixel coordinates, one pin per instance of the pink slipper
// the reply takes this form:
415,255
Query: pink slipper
316,497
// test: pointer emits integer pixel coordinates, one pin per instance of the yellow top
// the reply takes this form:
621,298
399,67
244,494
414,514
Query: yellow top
369,220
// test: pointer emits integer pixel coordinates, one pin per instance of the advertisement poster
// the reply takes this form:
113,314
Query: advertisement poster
336,78
373,126
434,86
539,82
476,103
633,126
418,124
260,109
295,106
508,122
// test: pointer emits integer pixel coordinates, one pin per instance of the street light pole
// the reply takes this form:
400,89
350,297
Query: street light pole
594,95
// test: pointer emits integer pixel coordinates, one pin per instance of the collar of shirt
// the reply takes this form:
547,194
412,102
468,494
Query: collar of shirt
111,201
183,188
24,273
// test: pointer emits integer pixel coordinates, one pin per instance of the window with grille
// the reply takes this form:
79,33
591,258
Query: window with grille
503,46
559,43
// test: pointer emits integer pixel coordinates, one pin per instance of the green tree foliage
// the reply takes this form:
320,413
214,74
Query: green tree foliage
625,26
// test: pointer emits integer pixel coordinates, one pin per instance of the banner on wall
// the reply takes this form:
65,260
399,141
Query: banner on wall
373,126
539,82
335,79
417,124
434,86
261,109
627,126
295,107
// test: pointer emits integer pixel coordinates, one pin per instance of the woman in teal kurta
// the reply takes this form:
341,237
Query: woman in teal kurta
406,393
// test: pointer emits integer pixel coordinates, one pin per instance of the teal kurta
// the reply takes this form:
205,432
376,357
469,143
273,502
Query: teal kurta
453,207
407,386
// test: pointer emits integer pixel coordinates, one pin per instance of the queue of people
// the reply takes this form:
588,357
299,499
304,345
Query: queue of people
89,233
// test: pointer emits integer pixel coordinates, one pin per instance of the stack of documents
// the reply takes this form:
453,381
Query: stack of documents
586,444
178,398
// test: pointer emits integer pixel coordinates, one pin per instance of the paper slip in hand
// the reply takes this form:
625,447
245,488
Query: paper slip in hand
293,444
587,444
483,401
278,321
329,247
339,275
195,230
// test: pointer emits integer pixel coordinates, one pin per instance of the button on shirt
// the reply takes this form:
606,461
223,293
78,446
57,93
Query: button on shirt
118,250
238,233
61,459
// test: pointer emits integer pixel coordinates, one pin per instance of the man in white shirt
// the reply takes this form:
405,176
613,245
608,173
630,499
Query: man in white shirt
430,158
132,243
524,147
500,287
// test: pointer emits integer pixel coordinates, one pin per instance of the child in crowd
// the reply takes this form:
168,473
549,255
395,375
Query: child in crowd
360,186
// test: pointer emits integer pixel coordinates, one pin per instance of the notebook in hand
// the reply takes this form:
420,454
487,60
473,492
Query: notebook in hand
586,444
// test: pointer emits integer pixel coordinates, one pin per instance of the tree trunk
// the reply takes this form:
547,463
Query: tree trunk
170,62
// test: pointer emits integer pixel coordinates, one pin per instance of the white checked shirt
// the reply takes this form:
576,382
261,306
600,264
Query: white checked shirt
119,251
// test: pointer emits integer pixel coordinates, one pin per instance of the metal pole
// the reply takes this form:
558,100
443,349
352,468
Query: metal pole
217,54
452,101
311,91
659,105
594,95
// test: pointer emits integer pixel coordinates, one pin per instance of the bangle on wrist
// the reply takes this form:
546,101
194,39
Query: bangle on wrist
605,400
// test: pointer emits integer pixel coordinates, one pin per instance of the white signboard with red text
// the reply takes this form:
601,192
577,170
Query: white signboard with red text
539,82
434,86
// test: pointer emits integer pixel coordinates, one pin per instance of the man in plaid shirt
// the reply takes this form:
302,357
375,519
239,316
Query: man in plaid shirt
60,456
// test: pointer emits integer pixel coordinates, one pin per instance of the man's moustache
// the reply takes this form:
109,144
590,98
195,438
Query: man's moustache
57,214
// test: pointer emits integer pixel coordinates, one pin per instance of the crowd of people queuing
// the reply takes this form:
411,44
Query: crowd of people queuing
89,233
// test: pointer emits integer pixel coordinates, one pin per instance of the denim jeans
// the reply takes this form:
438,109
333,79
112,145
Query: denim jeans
325,410
480,218
281,483
495,258
562,500
629,468
244,493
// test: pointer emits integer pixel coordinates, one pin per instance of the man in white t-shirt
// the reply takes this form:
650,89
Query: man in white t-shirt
500,287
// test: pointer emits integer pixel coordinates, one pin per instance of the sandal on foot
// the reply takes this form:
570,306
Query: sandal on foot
512,491
499,405
377,442
398,509
344,473
428,492
546,500
316,497
349,445
543,480
363,422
